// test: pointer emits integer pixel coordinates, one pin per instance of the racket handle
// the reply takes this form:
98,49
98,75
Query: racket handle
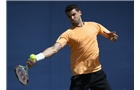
27,68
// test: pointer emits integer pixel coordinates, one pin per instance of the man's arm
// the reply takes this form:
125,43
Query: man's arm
112,36
45,54
52,50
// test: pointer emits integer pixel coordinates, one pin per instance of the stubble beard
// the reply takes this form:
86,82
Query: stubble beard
75,23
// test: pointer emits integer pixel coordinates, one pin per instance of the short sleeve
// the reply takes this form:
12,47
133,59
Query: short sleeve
102,29
63,39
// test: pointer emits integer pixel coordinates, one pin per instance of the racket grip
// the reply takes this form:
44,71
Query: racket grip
27,68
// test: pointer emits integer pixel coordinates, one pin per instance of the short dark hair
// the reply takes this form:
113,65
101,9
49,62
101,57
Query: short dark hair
70,7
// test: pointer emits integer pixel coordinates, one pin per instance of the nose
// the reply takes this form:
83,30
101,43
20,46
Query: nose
72,17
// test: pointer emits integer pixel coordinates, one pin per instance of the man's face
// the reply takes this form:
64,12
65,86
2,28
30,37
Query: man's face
74,16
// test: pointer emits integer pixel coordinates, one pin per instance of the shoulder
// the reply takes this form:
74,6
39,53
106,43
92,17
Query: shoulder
92,22
66,33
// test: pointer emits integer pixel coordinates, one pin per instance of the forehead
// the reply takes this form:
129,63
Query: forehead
72,12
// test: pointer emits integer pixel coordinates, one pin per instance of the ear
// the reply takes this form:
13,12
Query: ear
80,12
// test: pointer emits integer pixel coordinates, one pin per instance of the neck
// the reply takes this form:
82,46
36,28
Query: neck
79,24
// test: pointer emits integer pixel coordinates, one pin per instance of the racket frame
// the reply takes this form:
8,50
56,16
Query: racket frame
24,70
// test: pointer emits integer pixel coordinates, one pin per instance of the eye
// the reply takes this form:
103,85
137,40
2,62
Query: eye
71,15
74,14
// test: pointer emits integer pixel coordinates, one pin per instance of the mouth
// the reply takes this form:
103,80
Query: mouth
74,21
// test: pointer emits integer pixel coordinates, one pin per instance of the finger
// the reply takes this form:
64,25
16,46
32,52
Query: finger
27,61
116,35
111,38
29,64
109,32
113,32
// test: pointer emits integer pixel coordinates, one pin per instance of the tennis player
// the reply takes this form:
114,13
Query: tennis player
82,40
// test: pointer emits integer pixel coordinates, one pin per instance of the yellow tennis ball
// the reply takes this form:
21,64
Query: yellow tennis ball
32,57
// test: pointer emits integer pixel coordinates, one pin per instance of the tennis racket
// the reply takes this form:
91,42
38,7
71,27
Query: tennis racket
22,74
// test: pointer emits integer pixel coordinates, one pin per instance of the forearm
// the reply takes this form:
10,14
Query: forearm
49,52
112,36
45,54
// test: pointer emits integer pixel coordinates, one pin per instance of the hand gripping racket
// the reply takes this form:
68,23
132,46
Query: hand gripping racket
22,74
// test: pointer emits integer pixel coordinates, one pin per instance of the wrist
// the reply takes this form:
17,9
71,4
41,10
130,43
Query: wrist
40,56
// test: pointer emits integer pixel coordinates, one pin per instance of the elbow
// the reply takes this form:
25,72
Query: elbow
54,50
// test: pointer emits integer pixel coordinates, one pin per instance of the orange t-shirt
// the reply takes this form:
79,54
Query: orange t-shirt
83,46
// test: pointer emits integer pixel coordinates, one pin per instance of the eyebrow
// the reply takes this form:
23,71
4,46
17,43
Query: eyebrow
71,14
